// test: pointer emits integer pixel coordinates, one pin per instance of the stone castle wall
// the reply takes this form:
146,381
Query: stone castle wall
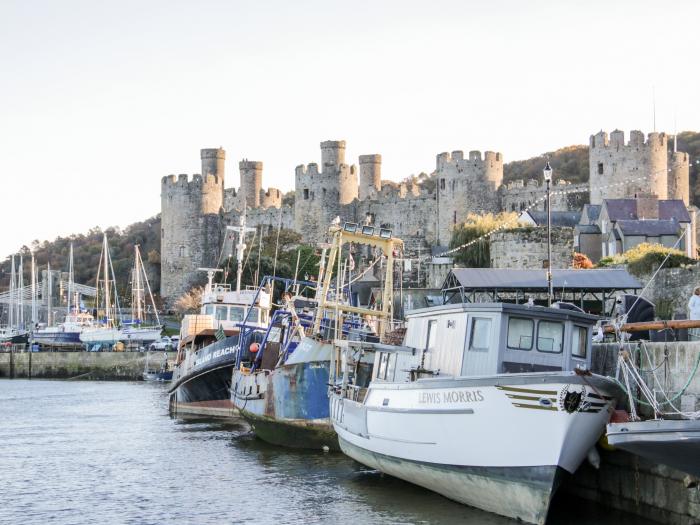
423,214
519,195
526,248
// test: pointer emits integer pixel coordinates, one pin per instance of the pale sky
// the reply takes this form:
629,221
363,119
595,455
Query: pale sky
100,99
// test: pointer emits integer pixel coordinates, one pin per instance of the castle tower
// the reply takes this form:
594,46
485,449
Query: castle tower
251,182
332,153
619,170
190,224
213,162
466,186
370,176
679,176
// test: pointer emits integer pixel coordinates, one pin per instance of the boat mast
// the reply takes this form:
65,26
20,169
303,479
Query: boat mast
49,294
136,290
240,247
70,279
106,278
11,318
34,316
148,286
20,291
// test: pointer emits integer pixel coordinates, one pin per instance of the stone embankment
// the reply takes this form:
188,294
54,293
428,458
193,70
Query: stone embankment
633,484
125,366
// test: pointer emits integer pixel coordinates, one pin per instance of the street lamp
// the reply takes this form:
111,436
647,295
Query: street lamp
548,179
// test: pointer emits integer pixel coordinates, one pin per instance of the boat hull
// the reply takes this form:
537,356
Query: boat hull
103,336
287,406
475,439
202,385
675,443
518,492
57,339
17,339
141,336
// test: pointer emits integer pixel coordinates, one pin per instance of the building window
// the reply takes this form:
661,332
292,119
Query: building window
306,194
600,168
454,217
324,192
182,251
442,184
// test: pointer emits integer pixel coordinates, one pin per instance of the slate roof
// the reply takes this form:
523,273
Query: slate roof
559,218
592,211
587,228
608,279
626,209
649,228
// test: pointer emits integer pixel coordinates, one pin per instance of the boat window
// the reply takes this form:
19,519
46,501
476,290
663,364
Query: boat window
432,334
383,363
221,313
481,334
520,333
579,342
209,309
235,313
550,335
254,315
275,335
391,367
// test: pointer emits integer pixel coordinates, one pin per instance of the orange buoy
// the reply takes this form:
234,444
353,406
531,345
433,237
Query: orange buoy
254,347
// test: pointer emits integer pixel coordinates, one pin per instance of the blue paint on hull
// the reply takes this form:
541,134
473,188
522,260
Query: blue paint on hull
57,338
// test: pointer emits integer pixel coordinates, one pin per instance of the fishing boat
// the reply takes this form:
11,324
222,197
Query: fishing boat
280,383
136,332
105,331
488,404
161,374
208,345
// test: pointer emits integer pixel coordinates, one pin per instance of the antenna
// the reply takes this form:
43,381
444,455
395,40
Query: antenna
240,247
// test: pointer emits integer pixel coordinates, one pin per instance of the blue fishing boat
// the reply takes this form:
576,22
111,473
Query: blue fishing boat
281,378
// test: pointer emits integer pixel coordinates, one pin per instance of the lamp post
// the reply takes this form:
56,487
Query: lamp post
548,179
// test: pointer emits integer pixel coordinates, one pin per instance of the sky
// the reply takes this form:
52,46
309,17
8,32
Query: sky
99,100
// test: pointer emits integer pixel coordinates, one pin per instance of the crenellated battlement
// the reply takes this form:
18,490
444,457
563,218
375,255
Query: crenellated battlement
183,180
616,140
307,170
456,158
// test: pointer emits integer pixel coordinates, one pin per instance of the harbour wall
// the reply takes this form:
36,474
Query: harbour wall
633,484
124,366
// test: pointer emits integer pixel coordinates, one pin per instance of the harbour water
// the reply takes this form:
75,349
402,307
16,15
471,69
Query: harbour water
107,452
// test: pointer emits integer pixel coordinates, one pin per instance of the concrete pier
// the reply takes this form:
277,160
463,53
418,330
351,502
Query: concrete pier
125,366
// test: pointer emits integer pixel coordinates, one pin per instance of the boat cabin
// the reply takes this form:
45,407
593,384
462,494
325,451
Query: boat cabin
476,339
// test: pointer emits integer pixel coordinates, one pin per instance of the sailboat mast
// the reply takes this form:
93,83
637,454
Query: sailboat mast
20,290
11,319
70,279
106,278
49,295
138,291
34,319
148,287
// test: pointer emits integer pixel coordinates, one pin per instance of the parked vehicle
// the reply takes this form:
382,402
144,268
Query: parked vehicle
164,343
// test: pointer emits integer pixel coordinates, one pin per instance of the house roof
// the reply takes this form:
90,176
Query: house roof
587,228
650,228
509,279
592,211
626,209
559,218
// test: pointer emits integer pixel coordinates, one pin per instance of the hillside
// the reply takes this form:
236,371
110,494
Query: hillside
86,253
570,163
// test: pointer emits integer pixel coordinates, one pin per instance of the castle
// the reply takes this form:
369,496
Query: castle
421,210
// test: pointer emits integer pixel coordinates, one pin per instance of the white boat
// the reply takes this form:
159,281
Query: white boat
106,330
135,332
487,404
65,334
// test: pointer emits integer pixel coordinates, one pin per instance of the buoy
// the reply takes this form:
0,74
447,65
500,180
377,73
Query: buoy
326,448
254,347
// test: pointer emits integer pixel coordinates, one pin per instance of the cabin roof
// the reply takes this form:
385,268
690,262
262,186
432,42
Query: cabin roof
536,280
508,308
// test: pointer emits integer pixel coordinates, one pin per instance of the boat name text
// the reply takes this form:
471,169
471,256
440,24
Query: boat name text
450,396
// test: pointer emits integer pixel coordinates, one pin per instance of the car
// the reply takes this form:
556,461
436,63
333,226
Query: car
164,343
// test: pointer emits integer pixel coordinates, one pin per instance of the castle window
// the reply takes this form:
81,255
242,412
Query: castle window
442,184
324,192
162,233
600,168
454,217
182,251
306,194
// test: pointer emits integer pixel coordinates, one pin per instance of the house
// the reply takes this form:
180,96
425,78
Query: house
568,219
618,225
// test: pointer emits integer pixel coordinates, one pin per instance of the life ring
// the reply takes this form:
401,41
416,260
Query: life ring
254,347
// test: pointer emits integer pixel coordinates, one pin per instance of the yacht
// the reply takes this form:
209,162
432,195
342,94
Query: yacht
488,404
